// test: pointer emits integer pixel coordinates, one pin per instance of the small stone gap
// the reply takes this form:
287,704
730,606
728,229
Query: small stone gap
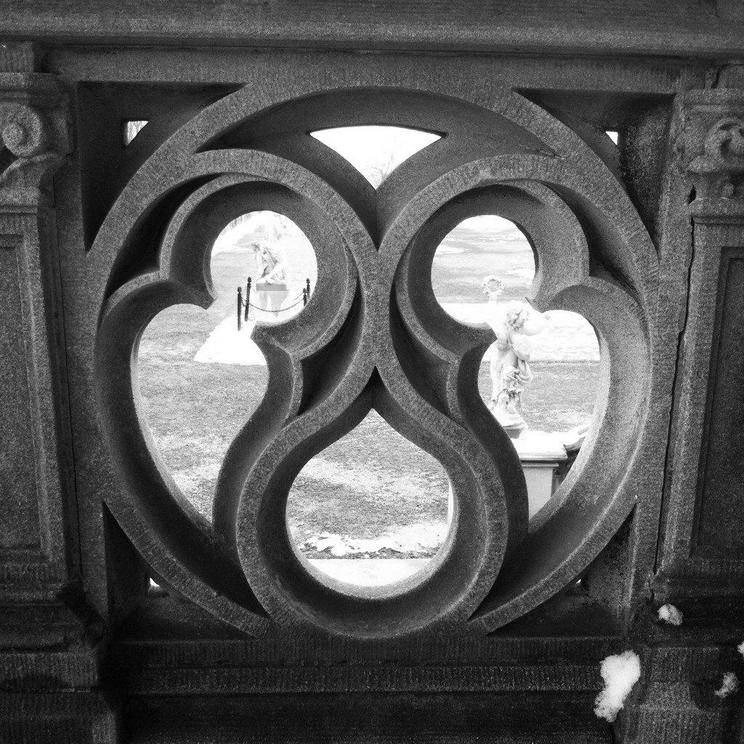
375,151
130,128
155,590
540,379
370,510
199,372
6,158
612,134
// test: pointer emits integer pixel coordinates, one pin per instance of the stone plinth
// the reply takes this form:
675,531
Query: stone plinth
540,454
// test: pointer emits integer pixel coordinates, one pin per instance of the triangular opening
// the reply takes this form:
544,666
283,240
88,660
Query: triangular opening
130,128
375,151
612,134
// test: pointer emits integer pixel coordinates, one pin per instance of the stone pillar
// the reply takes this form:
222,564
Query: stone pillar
701,556
48,659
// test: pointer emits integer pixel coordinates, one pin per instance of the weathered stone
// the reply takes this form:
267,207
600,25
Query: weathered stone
503,638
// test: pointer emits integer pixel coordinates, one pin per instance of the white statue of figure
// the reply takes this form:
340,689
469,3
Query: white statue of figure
513,323
271,287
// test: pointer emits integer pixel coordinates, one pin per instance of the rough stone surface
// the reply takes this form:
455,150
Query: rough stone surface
502,642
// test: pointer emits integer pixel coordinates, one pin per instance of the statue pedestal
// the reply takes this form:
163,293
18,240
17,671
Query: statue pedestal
271,295
541,455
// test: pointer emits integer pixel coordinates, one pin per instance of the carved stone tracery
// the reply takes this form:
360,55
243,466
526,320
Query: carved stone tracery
640,518
402,355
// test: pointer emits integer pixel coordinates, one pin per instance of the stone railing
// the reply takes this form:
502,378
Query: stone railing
96,238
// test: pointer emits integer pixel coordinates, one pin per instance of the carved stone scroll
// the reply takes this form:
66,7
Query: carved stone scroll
720,170
32,137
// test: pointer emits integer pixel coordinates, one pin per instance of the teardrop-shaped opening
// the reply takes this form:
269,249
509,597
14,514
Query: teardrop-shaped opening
375,151
371,513
540,379
200,376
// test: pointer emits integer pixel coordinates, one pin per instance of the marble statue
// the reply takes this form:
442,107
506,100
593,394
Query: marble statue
271,286
513,323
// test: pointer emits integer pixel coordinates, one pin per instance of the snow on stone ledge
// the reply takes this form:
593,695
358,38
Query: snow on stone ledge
619,672
668,613
729,685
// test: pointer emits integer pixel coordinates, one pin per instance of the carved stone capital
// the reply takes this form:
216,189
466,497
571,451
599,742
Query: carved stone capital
719,171
712,145
33,135
24,131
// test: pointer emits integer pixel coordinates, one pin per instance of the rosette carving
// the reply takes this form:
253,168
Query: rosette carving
373,336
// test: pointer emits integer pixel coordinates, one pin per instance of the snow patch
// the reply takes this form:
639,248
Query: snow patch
729,685
422,537
668,613
619,672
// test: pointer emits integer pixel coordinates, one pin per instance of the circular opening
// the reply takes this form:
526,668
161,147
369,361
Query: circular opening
200,376
540,378
476,249
279,268
371,513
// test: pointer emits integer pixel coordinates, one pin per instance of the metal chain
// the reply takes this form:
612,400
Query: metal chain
266,310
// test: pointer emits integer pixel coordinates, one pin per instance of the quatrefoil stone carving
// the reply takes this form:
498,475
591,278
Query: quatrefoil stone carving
373,336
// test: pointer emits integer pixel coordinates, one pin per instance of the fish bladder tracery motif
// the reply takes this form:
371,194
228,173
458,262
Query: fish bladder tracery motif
375,339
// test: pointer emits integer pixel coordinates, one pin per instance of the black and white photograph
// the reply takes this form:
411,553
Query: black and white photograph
371,372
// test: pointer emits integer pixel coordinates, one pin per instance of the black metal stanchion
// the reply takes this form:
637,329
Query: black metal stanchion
248,296
307,288
240,306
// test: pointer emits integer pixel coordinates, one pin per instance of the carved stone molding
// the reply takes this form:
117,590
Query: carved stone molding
719,171
33,134
713,144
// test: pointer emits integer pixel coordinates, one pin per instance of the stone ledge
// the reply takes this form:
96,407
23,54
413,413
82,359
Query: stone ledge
373,718
692,30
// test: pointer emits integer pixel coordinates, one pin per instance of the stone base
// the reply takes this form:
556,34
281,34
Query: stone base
540,454
58,718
